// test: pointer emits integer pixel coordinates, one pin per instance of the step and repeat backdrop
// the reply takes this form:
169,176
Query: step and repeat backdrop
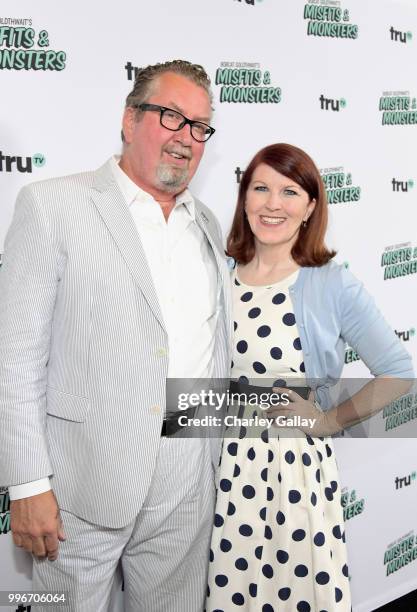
336,78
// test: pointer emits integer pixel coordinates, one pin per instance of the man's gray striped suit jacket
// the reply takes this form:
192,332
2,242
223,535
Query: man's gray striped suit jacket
83,348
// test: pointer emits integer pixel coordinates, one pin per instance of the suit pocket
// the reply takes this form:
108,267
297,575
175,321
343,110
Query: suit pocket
66,406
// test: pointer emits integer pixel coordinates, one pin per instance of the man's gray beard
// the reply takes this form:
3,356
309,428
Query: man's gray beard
172,178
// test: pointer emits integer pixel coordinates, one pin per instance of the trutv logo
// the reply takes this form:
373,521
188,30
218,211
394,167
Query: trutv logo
398,36
405,335
331,104
4,511
11,163
252,2
405,481
402,185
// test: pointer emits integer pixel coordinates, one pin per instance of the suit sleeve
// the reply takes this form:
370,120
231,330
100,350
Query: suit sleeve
367,332
28,285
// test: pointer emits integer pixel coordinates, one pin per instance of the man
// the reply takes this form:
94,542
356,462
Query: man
113,281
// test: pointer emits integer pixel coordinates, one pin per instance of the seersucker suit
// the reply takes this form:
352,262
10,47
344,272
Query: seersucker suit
83,348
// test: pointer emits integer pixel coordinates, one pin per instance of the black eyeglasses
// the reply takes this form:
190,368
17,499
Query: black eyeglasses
175,121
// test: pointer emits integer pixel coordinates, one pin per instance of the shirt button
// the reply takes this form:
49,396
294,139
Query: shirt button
156,409
161,352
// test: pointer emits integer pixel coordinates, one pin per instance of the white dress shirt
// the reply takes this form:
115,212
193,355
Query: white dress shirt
185,277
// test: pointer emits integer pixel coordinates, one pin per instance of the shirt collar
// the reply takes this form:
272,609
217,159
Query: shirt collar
132,193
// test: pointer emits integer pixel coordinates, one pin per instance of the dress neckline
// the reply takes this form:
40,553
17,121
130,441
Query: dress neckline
287,281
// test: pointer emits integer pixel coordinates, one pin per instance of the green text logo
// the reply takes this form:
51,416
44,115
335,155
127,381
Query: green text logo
329,21
246,83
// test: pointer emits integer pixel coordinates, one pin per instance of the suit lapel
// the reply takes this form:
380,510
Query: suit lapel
115,213
213,238
205,225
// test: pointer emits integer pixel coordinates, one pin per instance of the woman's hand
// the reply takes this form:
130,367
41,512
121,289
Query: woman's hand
310,418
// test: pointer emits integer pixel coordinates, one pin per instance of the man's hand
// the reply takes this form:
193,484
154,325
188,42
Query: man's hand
36,525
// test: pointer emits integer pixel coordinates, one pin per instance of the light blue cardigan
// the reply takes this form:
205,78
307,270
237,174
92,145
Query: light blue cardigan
332,307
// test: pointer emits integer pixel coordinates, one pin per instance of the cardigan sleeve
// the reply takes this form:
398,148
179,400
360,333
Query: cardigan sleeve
367,332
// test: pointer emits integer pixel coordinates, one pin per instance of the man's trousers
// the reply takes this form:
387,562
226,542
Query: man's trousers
163,552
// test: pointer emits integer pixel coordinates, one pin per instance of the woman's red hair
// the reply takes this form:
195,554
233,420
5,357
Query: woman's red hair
292,162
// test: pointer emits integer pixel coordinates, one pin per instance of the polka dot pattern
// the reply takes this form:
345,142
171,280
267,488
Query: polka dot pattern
306,459
248,491
289,457
298,535
276,352
264,331
258,313
278,536
297,344
225,545
241,564
254,312
259,367
284,593
242,346
279,298
288,319
218,520
322,578
238,599
248,295
282,556
301,571
294,496
267,570
245,530
221,580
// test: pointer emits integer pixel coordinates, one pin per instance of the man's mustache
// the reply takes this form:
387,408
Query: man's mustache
184,152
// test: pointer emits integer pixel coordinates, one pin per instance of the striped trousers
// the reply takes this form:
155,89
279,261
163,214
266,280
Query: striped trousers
163,552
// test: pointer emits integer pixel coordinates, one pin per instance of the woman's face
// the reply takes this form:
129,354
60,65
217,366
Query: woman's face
276,206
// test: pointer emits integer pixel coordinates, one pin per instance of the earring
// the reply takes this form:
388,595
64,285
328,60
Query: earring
305,222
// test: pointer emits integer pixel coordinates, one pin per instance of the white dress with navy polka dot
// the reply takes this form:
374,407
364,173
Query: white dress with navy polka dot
278,541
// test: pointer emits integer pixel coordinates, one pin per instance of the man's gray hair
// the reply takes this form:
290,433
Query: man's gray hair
146,77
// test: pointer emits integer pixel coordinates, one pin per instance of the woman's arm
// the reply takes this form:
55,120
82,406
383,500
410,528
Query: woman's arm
364,328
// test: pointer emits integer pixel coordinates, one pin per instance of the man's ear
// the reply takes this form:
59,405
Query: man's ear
128,123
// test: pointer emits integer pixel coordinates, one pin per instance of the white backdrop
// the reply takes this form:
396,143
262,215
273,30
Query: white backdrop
61,99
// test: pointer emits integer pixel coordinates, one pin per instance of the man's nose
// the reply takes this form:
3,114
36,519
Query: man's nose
184,135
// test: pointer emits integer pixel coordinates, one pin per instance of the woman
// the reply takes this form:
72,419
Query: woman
278,540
